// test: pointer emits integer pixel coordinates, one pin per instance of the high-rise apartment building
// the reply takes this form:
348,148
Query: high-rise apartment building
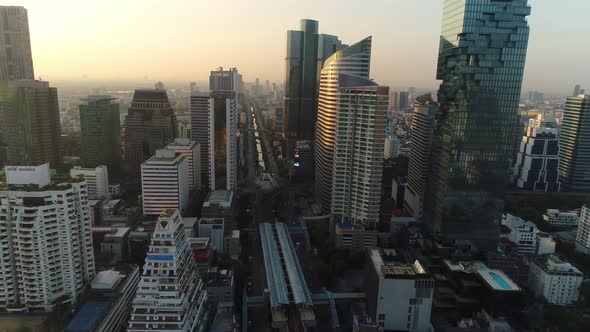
481,62
100,127
306,53
29,122
165,182
150,125
423,124
16,60
170,295
192,151
574,145
354,61
583,234
46,238
537,161
556,281
199,106
97,180
223,121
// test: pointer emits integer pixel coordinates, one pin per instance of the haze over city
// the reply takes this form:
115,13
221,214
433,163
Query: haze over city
182,40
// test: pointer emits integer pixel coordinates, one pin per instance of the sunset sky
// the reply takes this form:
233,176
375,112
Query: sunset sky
184,39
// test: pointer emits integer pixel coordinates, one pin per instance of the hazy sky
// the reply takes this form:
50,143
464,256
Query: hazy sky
184,39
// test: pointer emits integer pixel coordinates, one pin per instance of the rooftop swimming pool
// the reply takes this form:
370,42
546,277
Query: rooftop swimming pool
500,281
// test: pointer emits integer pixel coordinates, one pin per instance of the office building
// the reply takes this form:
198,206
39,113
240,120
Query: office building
16,60
481,62
556,281
225,80
574,145
221,204
576,90
107,303
423,124
354,61
306,53
212,228
537,161
46,238
561,218
100,132
29,123
279,119
223,154
165,182
150,125
170,295
192,151
391,147
97,180
199,106
583,234
399,292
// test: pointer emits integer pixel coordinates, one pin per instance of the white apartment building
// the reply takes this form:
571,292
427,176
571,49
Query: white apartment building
97,180
164,182
556,281
170,295
45,238
192,151
561,218
583,236
528,239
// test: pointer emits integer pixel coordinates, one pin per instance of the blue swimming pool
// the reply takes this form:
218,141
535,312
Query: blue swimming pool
500,281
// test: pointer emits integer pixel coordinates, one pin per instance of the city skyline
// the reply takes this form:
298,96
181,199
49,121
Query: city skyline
109,55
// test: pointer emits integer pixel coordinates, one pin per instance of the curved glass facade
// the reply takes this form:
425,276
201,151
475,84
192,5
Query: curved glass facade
574,145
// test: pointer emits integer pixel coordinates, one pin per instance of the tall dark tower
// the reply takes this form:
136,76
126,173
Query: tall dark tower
16,61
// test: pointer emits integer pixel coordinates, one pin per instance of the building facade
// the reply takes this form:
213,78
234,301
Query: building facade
150,125
170,295
97,180
561,218
100,132
192,151
574,145
29,122
165,182
481,62
223,154
354,61
45,226
583,234
557,281
199,106
16,60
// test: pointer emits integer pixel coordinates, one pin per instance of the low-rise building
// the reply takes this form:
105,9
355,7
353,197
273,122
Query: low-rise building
97,179
220,286
556,281
212,228
112,240
561,218
527,238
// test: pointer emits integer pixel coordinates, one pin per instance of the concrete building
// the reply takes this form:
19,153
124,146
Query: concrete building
583,235
107,303
29,122
391,147
100,132
233,246
527,238
164,182
170,295
199,107
220,287
150,125
192,151
97,180
557,281
46,238
423,125
16,60
399,293
223,140
561,218
221,204
574,147
112,240
212,228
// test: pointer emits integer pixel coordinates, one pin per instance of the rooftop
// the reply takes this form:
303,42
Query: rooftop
221,197
217,277
554,265
150,95
390,265
106,279
88,317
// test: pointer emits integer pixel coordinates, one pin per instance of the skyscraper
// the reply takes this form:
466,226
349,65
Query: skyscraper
306,52
199,105
29,122
423,124
225,80
150,125
100,127
223,140
16,61
355,61
481,61
576,90
574,145
192,151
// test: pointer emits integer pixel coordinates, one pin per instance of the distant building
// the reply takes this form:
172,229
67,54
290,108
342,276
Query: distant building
557,281
164,182
583,235
107,303
46,238
221,204
392,147
399,292
97,179
223,152
576,90
29,122
150,125
171,281
159,86
200,126
100,132
561,218
574,151
192,151
278,123
16,60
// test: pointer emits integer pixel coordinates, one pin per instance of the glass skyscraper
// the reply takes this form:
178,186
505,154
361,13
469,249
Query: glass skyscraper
100,128
481,62
574,145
